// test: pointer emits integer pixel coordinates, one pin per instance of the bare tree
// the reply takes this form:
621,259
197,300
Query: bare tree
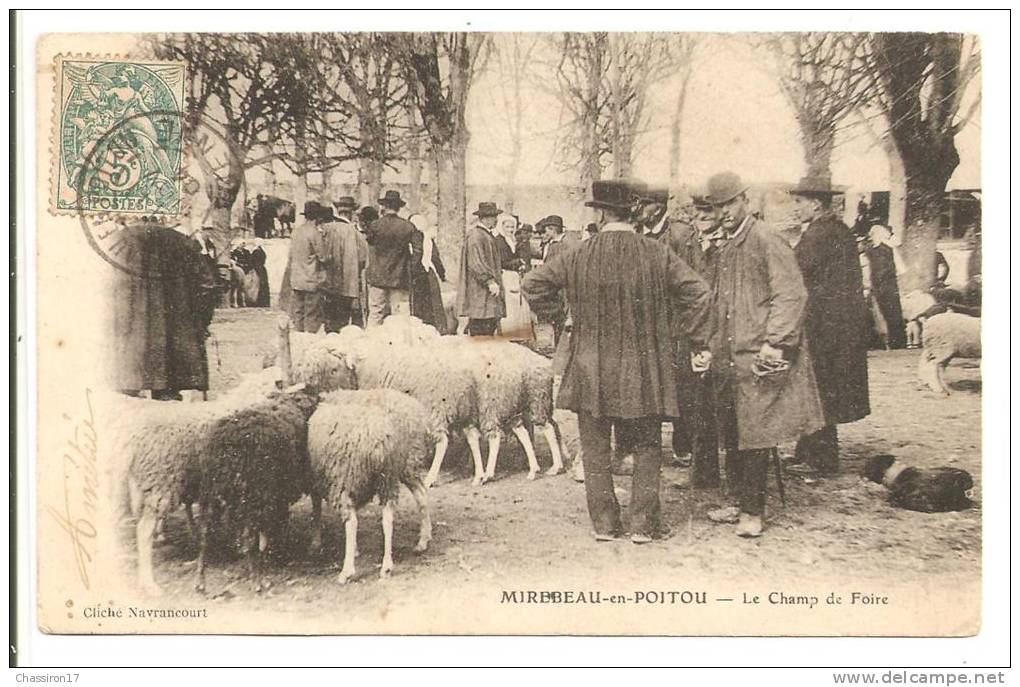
440,67
923,80
513,57
684,48
825,77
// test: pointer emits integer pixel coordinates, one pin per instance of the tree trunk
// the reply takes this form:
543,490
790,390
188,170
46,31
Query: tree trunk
817,141
369,181
451,196
676,141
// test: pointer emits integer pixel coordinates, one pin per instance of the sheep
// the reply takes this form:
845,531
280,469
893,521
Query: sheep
947,336
514,386
367,443
233,454
440,380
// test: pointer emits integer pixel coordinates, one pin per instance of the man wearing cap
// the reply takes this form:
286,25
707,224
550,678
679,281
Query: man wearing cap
694,433
306,268
765,386
394,246
480,282
835,323
624,293
348,253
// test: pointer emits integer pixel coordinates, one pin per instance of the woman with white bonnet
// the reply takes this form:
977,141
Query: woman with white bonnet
517,324
426,297
883,259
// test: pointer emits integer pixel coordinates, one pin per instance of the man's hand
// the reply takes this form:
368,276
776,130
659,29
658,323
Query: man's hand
771,353
493,288
701,361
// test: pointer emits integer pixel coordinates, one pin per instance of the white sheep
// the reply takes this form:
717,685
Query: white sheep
367,443
441,380
514,387
946,336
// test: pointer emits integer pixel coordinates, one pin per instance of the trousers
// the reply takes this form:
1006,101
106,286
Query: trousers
641,437
337,311
695,433
383,301
306,310
746,471
820,450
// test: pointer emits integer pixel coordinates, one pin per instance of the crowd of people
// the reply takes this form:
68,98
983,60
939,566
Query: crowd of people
713,322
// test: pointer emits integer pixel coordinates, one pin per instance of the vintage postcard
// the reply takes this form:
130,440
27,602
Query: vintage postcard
603,333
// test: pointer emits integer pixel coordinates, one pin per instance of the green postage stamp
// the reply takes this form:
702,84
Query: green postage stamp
120,132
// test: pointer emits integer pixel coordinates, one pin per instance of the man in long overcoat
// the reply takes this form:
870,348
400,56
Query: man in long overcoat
835,323
625,294
694,433
480,295
394,246
348,253
161,312
765,385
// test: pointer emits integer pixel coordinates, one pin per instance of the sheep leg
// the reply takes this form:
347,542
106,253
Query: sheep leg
203,541
316,544
493,439
553,439
940,369
252,540
349,515
421,497
145,530
437,461
387,531
523,436
928,369
473,437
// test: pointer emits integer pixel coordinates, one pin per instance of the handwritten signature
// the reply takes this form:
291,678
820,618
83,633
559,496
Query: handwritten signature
81,479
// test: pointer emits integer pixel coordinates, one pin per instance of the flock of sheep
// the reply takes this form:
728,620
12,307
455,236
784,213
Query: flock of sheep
339,417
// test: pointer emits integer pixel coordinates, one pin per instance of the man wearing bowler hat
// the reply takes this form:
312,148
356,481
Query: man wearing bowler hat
836,322
309,255
348,254
765,386
694,435
625,294
393,246
480,282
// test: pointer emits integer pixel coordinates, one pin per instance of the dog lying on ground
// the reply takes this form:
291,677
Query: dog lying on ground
928,490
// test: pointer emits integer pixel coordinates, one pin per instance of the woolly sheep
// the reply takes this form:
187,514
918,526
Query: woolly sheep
367,443
514,386
442,381
946,336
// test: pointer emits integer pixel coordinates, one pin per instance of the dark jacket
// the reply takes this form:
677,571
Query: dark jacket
258,263
479,266
161,319
393,245
623,292
426,296
348,254
836,320
759,298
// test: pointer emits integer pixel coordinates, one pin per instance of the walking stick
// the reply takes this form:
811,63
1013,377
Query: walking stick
779,475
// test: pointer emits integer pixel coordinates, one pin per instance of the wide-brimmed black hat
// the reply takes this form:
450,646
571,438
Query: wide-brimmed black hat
345,203
724,187
614,194
392,199
814,187
313,209
486,209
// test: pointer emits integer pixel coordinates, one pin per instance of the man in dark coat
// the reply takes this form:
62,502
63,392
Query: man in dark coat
835,323
694,434
393,246
161,310
480,296
765,385
348,254
306,268
625,294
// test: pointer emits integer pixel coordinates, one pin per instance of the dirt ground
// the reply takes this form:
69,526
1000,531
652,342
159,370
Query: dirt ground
512,531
